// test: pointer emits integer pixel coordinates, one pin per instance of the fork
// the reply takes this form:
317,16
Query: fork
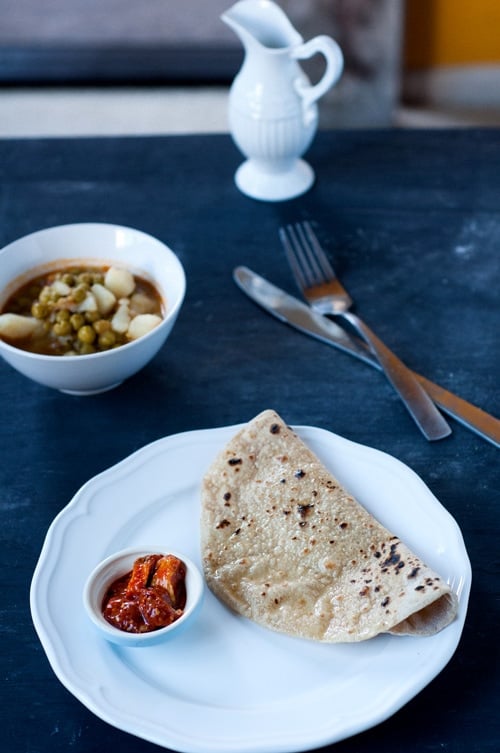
320,286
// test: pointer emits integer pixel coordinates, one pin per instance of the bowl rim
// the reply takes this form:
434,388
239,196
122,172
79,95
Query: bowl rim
166,318
120,636
78,225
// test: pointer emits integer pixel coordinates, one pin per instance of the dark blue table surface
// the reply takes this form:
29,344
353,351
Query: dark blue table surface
413,221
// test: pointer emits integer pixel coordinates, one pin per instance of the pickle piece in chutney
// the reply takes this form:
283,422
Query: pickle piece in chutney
151,596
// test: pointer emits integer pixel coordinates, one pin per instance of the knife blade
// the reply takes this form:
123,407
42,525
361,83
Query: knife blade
301,317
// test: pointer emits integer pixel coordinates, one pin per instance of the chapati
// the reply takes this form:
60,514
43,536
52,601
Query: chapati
286,545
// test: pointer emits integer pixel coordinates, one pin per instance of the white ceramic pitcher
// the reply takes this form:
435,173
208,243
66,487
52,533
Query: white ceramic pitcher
273,115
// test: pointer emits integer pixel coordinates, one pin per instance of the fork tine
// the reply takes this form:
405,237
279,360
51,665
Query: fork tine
312,269
294,255
305,255
319,255
308,255
302,255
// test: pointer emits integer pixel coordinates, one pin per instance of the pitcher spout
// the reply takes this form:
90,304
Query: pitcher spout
261,23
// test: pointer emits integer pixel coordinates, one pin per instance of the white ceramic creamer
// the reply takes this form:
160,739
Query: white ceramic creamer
273,115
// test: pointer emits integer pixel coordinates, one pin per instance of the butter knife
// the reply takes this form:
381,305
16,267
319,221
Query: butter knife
300,316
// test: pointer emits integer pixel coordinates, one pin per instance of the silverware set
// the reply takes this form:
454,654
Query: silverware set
329,302
321,287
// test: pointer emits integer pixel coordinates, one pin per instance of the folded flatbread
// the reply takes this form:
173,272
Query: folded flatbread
284,544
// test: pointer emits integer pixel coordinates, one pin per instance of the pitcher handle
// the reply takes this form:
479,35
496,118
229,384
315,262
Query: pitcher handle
332,53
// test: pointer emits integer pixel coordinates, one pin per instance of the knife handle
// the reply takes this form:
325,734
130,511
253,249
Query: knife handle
482,423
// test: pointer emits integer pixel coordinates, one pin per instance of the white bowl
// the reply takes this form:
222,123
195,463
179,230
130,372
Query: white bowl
120,564
94,243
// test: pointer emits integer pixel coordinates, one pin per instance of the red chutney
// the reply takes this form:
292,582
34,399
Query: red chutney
151,596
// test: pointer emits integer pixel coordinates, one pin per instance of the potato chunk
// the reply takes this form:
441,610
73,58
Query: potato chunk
105,298
60,288
16,327
120,281
141,304
142,324
121,319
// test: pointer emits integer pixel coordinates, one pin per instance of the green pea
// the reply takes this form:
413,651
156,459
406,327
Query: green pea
107,339
80,293
61,328
54,295
86,349
86,334
92,316
39,310
44,296
77,321
101,326
62,315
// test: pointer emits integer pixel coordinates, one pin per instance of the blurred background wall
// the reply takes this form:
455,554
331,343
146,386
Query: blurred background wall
451,55
402,57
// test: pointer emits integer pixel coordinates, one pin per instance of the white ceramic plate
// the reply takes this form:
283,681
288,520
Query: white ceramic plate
226,684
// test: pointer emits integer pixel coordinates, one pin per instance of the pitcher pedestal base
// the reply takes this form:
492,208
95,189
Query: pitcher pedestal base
265,186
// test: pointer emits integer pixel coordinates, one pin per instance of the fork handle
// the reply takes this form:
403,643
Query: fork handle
416,400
